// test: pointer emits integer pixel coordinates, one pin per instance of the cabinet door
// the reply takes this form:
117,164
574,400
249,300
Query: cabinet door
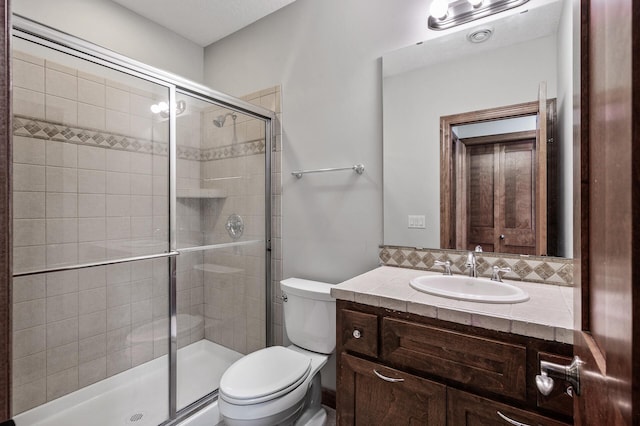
466,409
371,394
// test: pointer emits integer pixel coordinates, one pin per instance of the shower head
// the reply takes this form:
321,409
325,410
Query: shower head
219,122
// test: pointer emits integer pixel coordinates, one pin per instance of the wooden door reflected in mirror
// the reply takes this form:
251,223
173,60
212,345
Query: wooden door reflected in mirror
499,189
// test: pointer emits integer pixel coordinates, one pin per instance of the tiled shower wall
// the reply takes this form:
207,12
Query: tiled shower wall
90,170
90,183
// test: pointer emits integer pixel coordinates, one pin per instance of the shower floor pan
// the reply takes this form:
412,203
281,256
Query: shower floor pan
137,396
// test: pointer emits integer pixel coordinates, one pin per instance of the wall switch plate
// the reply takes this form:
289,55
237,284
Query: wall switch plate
417,221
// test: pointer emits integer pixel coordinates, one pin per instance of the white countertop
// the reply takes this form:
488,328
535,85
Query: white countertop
548,314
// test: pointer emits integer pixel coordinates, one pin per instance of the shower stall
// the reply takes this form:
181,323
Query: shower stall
142,233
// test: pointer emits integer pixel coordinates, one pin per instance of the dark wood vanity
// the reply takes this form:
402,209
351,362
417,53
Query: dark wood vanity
398,368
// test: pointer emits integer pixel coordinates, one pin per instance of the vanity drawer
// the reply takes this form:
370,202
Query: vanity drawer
479,362
359,332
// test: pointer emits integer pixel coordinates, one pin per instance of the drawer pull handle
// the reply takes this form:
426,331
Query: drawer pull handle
510,421
387,379
357,334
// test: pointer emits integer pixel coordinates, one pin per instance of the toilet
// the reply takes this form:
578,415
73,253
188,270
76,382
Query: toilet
281,385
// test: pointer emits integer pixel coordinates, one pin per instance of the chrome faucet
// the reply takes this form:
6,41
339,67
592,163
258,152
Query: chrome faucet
472,265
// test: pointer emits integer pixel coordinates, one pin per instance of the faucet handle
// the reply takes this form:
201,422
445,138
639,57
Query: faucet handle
446,264
497,273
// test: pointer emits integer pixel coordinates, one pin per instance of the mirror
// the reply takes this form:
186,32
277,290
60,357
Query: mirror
447,75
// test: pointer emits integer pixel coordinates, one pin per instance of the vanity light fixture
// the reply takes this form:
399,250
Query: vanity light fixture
162,108
460,12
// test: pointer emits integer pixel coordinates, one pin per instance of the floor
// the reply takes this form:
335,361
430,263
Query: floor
331,416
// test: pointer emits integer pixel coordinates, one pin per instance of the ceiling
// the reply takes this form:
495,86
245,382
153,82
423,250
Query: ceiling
204,21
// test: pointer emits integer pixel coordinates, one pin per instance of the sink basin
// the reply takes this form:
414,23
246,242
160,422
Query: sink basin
471,289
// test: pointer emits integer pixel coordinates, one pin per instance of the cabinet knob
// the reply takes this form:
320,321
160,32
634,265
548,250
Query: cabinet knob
357,334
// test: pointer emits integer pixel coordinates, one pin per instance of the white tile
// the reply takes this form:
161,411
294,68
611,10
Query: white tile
28,150
62,383
91,77
141,128
61,205
141,105
141,185
92,277
91,92
92,181
28,369
64,230
28,75
91,205
29,396
92,371
61,84
119,273
61,110
118,183
93,347
28,288
91,117
118,161
62,332
117,99
92,158
28,258
118,205
141,227
141,163
59,67
142,205
61,154
62,254
118,228
91,229
92,251
28,232
61,179
28,205
92,300
28,314
62,307
63,282
92,324
28,177
118,361
28,103
117,122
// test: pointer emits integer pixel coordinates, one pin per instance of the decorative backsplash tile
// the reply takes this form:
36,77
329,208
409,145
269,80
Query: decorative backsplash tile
539,269
49,130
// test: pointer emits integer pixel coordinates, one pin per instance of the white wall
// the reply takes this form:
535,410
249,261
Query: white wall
114,27
326,54
413,104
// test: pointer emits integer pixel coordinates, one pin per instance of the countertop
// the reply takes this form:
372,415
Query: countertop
548,314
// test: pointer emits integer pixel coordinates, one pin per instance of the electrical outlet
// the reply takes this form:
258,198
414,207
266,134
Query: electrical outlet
417,221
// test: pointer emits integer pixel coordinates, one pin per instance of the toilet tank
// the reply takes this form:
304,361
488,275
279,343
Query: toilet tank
309,314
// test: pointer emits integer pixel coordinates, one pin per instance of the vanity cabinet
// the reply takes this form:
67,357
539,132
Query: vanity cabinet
404,369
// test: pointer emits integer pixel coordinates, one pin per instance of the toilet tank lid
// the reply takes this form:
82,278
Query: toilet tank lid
309,289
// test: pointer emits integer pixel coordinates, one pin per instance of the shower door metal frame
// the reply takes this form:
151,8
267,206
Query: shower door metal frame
43,35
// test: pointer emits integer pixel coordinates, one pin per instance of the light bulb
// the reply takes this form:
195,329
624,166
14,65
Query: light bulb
439,9
155,108
475,3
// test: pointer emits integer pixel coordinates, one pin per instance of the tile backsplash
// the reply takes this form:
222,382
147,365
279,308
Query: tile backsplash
539,269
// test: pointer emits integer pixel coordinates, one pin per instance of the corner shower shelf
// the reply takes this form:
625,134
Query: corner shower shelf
202,193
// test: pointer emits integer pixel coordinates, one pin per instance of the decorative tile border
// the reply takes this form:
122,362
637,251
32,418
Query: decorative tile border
48,130
539,269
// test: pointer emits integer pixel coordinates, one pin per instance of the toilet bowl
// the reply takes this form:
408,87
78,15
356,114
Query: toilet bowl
281,385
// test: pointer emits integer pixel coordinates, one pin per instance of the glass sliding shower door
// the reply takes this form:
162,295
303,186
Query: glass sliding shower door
141,234
221,270
90,189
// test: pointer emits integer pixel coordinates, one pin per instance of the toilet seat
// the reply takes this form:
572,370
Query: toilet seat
264,375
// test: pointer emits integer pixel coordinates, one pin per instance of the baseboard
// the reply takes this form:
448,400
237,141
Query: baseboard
329,397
